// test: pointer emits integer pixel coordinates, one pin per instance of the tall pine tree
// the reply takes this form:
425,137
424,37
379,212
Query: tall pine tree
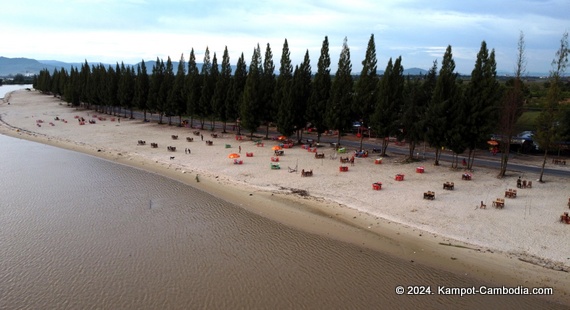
548,122
481,100
221,91
250,104
444,96
267,90
321,91
340,103
366,87
283,87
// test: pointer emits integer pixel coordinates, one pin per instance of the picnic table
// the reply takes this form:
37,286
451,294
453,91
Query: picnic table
429,195
448,186
420,169
399,177
511,193
466,176
274,166
499,203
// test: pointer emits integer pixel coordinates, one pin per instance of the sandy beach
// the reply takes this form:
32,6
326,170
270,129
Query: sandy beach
521,244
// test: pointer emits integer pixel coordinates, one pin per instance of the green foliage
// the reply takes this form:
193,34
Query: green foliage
177,95
527,121
250,104
338,111
237,85
366,88
142,87
478,115
283,88
321,90
267,88
390,101
221,91
439,118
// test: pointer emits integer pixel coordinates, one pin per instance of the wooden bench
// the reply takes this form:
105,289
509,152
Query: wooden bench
171,148
448,186
174,137
154,145
141,142
189,139
308,173
209,142
319,155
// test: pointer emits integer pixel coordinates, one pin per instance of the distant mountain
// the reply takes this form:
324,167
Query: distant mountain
13,66
415,71
27,66
411,71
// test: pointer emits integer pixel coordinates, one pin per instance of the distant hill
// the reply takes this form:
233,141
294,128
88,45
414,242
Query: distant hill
25,66
28,67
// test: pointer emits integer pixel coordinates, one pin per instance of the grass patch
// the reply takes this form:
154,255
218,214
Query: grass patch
527,121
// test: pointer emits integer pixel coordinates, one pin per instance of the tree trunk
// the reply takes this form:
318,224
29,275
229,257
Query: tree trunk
267,131
542,168
385,146
412,149
437,153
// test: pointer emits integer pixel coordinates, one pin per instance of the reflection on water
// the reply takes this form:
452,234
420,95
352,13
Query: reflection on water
79,232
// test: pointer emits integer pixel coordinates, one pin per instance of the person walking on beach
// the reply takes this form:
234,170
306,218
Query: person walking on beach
239,149
202,137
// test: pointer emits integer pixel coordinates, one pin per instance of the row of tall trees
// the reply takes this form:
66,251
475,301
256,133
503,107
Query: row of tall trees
437,108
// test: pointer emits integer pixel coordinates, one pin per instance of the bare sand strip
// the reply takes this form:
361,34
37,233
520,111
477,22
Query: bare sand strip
521,244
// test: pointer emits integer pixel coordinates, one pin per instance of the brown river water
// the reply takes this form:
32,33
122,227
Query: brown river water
79,232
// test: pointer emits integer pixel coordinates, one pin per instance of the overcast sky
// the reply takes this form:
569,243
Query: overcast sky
111,31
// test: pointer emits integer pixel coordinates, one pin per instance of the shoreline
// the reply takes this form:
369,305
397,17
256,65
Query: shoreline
313,213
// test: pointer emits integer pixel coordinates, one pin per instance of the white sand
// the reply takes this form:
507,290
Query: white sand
527,228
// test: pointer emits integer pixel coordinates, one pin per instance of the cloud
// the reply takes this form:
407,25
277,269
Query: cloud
417,30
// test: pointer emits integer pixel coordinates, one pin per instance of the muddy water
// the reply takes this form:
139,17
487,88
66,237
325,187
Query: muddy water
78,232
